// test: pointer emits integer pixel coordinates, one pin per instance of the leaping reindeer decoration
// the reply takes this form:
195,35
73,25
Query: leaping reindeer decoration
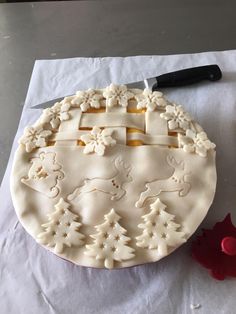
112,185
176,183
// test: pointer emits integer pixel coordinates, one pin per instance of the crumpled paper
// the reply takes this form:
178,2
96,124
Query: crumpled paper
33,280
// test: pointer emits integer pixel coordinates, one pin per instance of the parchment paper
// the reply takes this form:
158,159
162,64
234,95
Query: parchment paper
33,280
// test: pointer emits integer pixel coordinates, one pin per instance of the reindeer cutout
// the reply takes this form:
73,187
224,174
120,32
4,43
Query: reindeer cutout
176,183
112,186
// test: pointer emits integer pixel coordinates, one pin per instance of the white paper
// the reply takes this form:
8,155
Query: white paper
33,280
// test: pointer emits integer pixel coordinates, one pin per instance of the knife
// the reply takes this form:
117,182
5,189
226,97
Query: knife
172,79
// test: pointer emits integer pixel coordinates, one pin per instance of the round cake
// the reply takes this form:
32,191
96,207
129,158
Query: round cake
113,177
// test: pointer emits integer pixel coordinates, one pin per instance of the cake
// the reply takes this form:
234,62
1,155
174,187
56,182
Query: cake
113,178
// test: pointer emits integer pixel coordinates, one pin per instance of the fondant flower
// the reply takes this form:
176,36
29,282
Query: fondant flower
56,114
34,137
64,114
196,142
208,249
117,95
87,99
97,140
150,100
176,117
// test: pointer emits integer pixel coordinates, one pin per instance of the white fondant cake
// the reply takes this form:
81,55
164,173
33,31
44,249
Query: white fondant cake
113,178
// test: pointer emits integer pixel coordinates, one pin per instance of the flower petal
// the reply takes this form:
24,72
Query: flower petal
109,141
202,136
30,146
96,130
189,148
65,107
157,94
147,92
45,133
184,125
95,104
89,148
55,123
84,106
170,109
201,151
190,133
123,101
86,138
167,115
111,102
173,124
40,142
64,116
161,102
151,106
141,104
99,149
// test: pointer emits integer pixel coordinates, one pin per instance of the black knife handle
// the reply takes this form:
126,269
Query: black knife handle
188,76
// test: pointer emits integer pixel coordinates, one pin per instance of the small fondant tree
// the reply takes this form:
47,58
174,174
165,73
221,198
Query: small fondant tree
159,230
61,229
110,242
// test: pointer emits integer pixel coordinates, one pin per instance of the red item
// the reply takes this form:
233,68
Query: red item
228,245
215,249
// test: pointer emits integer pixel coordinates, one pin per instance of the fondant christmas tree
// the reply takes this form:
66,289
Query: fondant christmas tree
61,229
110,243
159,230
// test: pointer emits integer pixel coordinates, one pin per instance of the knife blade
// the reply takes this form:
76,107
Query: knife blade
178,78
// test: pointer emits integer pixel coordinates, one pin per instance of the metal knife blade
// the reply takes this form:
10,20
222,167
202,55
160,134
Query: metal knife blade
173,79
147,83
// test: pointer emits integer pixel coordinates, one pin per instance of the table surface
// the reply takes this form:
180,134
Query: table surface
50,30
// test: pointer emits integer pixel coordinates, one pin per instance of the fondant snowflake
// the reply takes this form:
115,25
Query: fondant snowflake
150,100
87,99
117,95
56,114
176,117
34,137
196,142
97,140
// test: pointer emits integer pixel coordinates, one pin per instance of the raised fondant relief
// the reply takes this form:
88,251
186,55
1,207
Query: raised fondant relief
150,100
159,230
61,229
44,174
117,95
87,99
110,242
112,186
54,115
34,137
175,183
97,140
177,117
196,142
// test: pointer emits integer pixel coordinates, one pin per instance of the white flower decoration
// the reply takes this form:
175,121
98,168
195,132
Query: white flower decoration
64,114
117,95
196,142
87,99
97,140
34,137
150,100
56,114
176,117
